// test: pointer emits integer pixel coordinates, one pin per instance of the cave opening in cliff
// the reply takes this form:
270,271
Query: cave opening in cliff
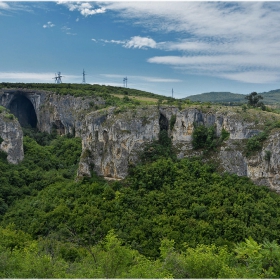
24,110
163,122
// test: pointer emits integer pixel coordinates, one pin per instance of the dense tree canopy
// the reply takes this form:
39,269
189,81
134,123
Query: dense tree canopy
168,218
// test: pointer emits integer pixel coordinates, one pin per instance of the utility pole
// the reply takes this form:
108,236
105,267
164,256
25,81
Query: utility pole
58,78
84,77
125,82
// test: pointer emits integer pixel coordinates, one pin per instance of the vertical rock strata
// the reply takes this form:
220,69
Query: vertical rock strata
11,138
112,139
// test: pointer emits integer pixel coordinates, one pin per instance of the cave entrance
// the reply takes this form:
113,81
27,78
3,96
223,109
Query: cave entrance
24,110
163,123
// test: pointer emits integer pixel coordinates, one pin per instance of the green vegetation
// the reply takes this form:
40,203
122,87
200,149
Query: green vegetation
113,96
255,143
254,100
172,121
205,137
169,218
161,148
271,98
225,98
41,166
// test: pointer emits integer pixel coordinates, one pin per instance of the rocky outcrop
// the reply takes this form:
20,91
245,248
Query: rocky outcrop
112,141
62,112
10,137
112,138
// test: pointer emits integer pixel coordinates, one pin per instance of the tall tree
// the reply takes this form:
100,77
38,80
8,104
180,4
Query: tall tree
254,99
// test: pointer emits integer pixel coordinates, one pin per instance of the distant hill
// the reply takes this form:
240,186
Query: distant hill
270,97
218,97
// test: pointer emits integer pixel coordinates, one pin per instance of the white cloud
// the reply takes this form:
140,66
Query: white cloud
4,6
48,25
134,42
111,41
140,42
23,76
85,8
234,40
143,78
256,77
33,77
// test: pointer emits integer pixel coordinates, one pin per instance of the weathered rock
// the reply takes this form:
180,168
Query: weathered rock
112,139
62,112
11,137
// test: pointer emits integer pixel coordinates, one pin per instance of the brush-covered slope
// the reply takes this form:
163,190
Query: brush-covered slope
270,98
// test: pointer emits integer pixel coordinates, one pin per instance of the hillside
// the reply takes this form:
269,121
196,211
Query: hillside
270,98
218,97
168,219
118,183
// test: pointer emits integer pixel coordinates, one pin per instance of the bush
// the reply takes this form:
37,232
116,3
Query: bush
172,121
255,143
204,137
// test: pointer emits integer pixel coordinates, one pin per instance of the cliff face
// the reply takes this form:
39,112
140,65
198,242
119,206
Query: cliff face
112,139
62,112
11,137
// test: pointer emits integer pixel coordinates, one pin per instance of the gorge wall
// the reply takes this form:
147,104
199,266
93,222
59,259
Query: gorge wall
112,138
11,137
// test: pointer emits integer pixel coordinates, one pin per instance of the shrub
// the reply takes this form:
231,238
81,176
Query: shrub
255,143
172,121
267,155
203,137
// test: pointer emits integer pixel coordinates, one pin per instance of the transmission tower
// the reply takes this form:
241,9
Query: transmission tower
58,78
84,76
125,82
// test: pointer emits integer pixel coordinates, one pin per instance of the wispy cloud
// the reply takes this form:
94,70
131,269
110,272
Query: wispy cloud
233,40
10,7
66,30
22,76
33,77
85,8
140,42
4,6
135,42
144,78
48,25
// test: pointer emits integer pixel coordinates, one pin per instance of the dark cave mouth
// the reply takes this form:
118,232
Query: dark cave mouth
24,110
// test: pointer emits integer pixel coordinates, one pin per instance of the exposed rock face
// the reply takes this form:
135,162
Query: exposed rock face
11,138
112,140
62,112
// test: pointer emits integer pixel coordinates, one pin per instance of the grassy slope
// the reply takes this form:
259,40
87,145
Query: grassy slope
270,98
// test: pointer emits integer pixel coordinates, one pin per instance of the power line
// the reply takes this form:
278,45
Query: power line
125,82
58,78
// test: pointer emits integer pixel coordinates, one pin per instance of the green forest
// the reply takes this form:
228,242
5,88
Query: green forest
169,218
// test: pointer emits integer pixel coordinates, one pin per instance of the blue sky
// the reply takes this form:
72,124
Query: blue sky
192,47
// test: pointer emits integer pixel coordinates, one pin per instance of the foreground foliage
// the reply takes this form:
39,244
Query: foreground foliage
24,257
169,218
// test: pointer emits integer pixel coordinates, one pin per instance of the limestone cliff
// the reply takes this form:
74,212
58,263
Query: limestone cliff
62,112
10,137
112,141
112,138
